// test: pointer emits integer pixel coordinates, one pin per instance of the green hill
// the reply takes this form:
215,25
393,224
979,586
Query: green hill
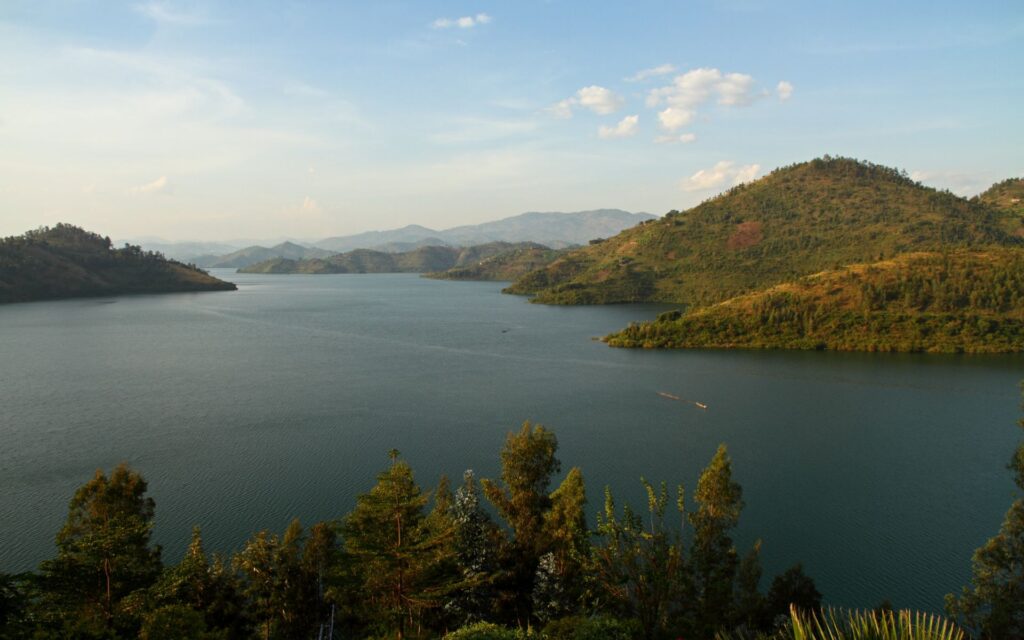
68,262
421,260
939,302
798,220
1008,198
505,266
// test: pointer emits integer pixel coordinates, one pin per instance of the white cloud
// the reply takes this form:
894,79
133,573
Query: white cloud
643,74
465,22
784,90
685,138
626,128
562,108
157,186
673,118
724,172
598,99
163,13
697,86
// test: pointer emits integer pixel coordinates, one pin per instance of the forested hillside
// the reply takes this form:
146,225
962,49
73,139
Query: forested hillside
66,262
798,220
939,302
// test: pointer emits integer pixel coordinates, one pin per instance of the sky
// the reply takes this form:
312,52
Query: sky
270,120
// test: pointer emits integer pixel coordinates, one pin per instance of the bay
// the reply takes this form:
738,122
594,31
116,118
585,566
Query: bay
880,473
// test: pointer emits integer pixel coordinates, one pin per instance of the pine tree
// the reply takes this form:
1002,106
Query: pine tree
388,537
104,554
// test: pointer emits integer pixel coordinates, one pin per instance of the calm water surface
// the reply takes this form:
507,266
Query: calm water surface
880,473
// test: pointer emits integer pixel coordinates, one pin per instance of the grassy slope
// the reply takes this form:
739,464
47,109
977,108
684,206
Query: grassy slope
798,220
67,262
941,302
421,260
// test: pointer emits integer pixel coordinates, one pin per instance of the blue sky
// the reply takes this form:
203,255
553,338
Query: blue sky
261,120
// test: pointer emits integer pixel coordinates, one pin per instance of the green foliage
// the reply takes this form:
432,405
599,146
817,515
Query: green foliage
396,550
641,572
209,588
591,628
486,631
935,302
104,556
797,221
475,541
871,625
527,463
714,558
176,622
65,262
993,606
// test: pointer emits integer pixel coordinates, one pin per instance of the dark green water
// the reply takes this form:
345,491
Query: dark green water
880,473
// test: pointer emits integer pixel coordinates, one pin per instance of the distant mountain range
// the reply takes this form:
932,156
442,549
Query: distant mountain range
555,230
252,255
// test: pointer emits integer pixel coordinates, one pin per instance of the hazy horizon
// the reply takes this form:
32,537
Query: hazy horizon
214,121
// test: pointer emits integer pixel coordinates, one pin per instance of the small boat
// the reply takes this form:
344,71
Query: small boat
701,405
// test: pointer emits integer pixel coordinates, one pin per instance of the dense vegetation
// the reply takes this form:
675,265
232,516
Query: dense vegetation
65,262
405,563
431,259
798,220
1007,197
827,254
939,302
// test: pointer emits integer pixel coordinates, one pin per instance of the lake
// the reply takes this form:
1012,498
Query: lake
880,473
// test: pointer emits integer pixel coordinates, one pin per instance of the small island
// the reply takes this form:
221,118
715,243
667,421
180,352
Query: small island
66,261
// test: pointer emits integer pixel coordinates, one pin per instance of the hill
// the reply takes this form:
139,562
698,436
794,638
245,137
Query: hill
1008,198
504,267
938,302
252,255
421,260
551,229
798,220
67,262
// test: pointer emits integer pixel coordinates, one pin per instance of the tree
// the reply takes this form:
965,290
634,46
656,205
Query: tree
641,573
559,583
993,606
474,541
206,587
527,464
713,554
792,588
103,555
387,535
